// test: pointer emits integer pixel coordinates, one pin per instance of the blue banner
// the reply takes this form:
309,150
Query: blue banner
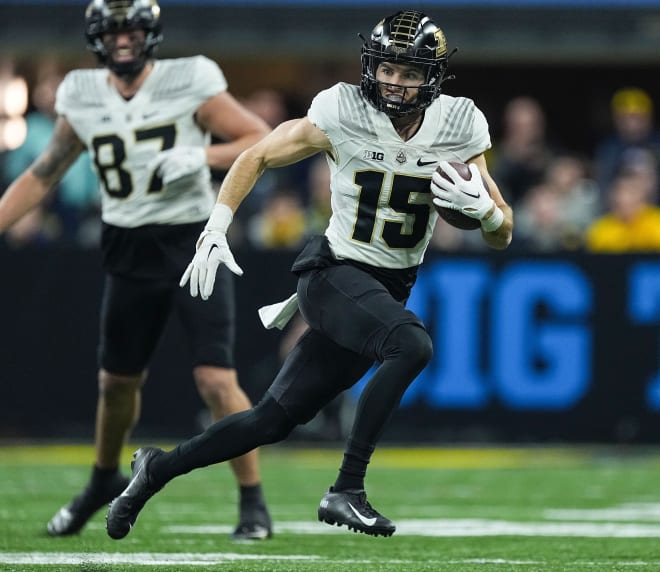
526,348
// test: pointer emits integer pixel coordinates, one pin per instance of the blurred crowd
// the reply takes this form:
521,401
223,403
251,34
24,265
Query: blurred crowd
604,200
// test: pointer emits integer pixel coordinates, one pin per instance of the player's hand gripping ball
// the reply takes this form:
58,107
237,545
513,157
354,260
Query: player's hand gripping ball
454,198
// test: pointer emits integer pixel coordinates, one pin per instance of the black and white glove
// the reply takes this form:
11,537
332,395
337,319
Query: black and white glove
470,197
212,250
178,162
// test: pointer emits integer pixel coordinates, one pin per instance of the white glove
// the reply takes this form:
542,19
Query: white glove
212,250
469,197
178,162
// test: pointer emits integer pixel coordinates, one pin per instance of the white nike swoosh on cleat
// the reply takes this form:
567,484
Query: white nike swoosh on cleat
126,493
366,521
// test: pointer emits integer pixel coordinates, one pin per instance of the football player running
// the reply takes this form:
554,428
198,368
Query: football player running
382,140
147,126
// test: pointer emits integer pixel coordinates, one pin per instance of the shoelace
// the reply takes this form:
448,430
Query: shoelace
365,506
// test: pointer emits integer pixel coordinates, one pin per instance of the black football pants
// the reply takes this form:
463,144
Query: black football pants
354,322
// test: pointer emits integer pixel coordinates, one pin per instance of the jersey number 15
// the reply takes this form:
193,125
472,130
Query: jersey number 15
404,189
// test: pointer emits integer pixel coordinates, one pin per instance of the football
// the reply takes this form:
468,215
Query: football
454,217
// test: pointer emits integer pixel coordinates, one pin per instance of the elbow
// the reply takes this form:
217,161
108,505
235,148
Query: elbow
500,244
501,238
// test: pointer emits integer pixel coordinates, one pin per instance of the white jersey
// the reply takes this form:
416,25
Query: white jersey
123,137
382,211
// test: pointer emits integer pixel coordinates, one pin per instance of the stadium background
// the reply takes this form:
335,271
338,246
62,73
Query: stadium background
578,335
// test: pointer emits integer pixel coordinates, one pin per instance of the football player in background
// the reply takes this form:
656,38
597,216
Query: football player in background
147,125
383,141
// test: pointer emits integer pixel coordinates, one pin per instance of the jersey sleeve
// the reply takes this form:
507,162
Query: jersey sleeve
479,140
209,79
324,112
480,130
65,95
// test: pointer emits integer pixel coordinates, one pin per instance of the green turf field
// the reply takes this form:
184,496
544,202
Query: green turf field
458,510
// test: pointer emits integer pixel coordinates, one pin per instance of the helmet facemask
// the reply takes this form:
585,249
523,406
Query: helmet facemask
114,16
408,38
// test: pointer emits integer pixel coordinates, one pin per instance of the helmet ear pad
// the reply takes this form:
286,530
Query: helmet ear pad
411,38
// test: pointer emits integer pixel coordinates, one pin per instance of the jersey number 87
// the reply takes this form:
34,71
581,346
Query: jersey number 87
117,181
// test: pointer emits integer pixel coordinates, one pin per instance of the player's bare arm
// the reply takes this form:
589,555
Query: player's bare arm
33,185
226,118
290,142
500,238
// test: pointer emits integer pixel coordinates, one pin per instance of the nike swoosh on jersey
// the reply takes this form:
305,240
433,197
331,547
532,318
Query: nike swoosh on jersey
421,163
366,521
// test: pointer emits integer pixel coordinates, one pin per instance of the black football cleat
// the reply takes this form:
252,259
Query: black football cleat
254,524
352,508
124,510
71,518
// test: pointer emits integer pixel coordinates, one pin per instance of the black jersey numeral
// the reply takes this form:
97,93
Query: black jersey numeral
395,234
167,134
110,154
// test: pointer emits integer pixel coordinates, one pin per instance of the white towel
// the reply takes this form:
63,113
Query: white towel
278,315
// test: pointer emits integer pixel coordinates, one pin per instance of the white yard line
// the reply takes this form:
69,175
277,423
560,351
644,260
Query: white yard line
197,559
632,511
139,558
405,527
460,527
